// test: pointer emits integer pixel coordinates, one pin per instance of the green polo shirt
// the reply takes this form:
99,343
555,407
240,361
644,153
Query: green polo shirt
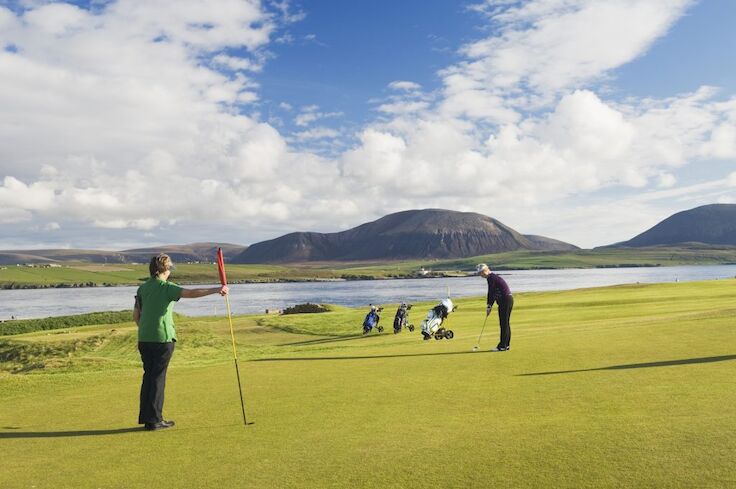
157,304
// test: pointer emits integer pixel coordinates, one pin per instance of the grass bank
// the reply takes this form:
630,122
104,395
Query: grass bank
21,326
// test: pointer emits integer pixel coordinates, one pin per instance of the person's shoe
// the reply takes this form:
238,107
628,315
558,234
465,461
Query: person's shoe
161,425
499,348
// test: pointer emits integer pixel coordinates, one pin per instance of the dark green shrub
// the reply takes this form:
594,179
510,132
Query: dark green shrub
20,326
305,308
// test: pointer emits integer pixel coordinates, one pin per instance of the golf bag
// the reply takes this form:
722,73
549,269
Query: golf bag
371,320
401,320
432,324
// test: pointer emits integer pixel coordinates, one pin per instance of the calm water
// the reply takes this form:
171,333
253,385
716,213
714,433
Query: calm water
255,298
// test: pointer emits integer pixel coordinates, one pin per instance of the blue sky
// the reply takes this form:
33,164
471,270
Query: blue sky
412,42
695,52
419,38
133,123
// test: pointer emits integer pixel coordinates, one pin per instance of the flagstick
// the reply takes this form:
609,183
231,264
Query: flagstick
235,356
223,281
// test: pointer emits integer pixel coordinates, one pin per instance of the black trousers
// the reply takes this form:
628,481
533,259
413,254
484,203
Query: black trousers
155,357
504,321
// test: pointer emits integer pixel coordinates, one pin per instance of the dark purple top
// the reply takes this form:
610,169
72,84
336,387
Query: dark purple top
498,289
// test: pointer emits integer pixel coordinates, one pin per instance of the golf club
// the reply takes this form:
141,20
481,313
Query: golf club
477,345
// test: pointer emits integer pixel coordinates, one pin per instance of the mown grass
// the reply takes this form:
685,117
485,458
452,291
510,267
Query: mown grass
628,386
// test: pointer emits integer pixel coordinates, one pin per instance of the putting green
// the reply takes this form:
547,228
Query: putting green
629,386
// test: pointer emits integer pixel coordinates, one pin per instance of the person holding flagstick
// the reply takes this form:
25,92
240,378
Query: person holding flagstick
153,313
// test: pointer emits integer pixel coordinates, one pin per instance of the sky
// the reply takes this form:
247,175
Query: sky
134,123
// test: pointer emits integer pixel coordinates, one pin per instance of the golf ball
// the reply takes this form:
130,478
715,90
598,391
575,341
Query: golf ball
475,348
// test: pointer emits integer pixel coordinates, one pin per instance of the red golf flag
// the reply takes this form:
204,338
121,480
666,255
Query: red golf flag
221,267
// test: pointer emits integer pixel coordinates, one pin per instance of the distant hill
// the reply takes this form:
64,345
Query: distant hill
204,252
179,253
420,234
713,224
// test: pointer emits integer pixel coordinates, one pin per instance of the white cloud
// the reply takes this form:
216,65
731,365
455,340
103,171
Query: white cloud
379,158
722,142
38,196
552,45
137,127
731,180
519,124
666,180
145,224
316,133
236,63
305,119
404,107
311,113
404,85
137,107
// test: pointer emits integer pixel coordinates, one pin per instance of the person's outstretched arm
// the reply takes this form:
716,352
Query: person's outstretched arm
194,293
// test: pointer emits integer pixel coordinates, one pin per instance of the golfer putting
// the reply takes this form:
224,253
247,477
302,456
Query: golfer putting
153,313
498,292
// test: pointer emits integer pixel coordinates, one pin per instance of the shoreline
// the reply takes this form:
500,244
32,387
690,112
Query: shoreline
356,278
35,303
344,278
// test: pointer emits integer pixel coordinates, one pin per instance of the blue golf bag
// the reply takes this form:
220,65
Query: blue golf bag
372,319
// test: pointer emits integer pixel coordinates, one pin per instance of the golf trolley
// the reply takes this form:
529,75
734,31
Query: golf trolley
401,320
372,319
432,324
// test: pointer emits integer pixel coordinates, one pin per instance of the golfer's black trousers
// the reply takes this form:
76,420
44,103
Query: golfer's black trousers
504,321
155,357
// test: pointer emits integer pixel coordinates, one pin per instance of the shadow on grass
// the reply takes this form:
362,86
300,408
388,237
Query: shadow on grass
332,339
665,363
364,357
62,434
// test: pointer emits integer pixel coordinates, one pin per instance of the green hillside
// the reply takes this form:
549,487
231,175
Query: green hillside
85,274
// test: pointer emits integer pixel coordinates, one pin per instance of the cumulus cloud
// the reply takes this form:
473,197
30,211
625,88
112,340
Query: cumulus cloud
518,129
139,108
135,105
552,45
38,196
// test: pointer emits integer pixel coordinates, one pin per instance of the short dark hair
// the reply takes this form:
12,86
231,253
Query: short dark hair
159,264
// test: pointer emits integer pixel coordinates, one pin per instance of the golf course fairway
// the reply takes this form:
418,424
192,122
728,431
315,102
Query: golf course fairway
629,386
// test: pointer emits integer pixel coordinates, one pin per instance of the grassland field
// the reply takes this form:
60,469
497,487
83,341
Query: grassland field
86,274
626,386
